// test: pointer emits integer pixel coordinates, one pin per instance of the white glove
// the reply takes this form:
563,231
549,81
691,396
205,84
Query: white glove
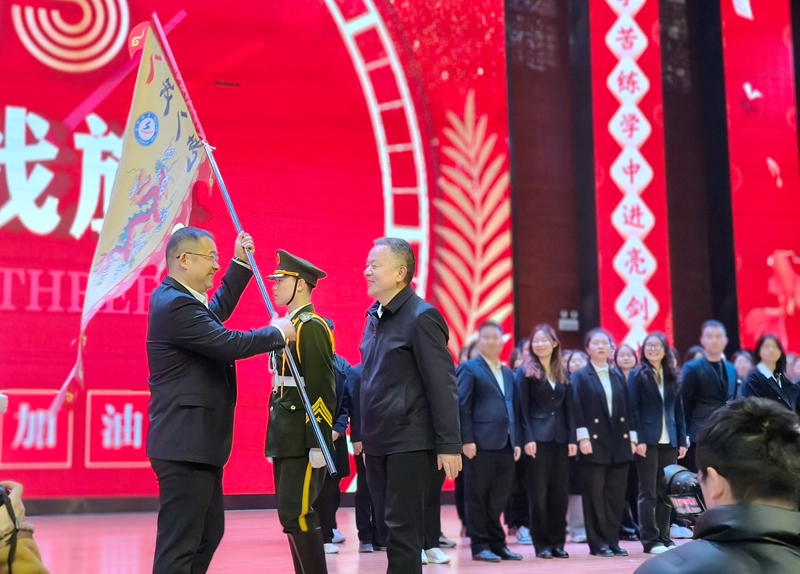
315,458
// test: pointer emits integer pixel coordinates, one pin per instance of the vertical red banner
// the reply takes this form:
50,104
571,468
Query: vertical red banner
632,235
763,151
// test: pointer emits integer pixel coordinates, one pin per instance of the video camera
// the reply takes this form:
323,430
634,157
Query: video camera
680,489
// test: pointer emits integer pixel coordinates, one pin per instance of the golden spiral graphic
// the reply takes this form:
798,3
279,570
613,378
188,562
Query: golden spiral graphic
77,47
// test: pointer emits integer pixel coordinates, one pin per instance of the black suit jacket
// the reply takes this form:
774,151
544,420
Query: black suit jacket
409,397
758,385
702,392
610,434
547,413
192,381
648,410
487,415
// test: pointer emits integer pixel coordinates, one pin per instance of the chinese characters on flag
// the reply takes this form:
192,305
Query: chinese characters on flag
631,204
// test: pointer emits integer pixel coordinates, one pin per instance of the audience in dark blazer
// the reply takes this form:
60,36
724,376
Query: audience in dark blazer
487,398
606,444
657,417
546,406
768,380
707,383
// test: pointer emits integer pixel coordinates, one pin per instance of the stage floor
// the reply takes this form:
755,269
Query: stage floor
254,543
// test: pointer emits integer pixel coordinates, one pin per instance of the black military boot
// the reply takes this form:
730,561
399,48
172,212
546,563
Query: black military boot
310,551
298,568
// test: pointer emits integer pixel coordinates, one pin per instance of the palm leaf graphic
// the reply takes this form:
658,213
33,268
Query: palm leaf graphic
472,280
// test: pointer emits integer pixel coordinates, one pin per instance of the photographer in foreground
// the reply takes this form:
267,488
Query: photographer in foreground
748,461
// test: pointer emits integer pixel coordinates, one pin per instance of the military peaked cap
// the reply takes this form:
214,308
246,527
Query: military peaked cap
291,266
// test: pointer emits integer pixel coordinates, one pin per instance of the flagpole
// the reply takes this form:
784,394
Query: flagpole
263,289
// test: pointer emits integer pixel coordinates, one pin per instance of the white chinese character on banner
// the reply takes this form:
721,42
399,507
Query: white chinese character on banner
101,152
122,429
25,191
36,428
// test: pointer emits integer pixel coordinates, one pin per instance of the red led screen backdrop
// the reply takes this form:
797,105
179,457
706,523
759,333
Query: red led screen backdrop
763,150
334,122
632,240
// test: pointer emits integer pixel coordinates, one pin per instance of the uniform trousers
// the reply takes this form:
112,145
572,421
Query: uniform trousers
604,488
548,493
297,486
653,512
487,480
399,486
191,516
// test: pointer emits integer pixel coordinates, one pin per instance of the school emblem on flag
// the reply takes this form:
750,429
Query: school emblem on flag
161,159
163,155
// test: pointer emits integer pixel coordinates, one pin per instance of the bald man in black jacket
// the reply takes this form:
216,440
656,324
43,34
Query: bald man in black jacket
409,401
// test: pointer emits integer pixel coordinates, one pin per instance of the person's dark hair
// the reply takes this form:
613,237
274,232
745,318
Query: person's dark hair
573,353
183,239
597,331
754,443
466,351
781,366
532,366
674,358
670,371
631,349
490,324
402,251
742,353
713,324
513,357
692,352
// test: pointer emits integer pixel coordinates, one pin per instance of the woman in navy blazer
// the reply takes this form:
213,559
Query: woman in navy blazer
768,380
657,416
549,436
606,442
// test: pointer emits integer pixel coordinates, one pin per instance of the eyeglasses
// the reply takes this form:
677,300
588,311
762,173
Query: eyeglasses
653,347
213,257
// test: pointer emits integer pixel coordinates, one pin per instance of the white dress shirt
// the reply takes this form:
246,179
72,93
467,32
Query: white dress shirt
202,297
664,431
497,370
605,380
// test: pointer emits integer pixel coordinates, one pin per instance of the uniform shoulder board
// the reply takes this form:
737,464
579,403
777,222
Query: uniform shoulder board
305,317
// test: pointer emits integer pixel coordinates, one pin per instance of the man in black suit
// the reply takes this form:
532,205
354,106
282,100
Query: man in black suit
409,401
487,398
191,356
707,383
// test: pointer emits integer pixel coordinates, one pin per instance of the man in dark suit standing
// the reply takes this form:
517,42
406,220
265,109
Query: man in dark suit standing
409,401
487,399
707,383
191,356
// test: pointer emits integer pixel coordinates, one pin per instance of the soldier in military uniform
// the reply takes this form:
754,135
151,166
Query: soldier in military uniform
298,464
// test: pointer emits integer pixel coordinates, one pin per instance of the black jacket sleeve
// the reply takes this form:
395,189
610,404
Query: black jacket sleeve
466,398
436,368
